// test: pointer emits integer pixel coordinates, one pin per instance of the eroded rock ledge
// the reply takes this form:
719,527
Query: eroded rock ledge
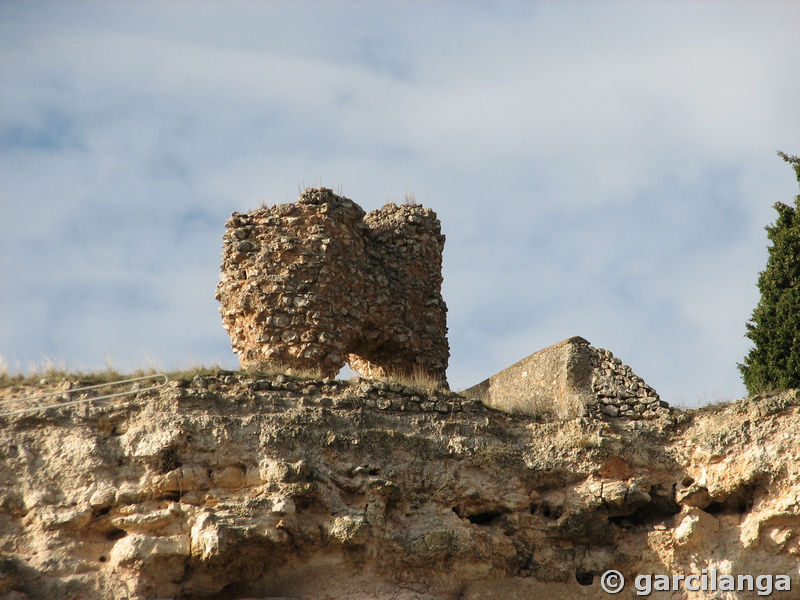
235,486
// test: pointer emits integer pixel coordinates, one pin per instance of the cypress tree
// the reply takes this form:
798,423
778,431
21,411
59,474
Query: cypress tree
774,362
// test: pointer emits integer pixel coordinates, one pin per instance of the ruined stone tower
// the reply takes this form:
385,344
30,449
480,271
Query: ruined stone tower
318,283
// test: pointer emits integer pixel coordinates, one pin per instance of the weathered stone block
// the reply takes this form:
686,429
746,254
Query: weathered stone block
557,380
568,379
318,283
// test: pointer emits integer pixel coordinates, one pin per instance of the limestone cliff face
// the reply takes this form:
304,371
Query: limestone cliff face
235,487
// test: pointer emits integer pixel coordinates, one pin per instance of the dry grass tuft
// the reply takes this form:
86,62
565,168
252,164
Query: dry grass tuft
54,372
198,370
58,375
537,406
497,454
419,379
545,408
410,198
264,371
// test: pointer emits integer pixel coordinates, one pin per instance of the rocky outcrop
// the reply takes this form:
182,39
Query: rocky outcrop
235,486
318,283
570,379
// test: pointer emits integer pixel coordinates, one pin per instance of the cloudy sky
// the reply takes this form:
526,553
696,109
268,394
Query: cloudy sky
600,169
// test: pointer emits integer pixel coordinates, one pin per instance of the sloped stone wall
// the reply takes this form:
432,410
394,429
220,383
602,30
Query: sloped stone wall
318,283
570,379
619,391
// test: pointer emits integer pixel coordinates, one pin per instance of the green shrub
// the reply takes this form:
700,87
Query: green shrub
774,362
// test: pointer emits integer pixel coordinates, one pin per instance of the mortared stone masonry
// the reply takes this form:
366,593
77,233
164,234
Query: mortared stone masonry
319,283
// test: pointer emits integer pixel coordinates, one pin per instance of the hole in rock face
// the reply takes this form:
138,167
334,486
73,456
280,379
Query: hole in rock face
547,510
687,481
734,505
486,517
115,534
168,460
172,496
104,511
584,577
303,502
661,507
739,502
102,559
230,592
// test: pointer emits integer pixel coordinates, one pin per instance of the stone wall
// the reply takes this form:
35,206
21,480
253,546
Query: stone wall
318,283
570,379
619,391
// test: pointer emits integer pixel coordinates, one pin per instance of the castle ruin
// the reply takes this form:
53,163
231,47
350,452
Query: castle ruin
570,379
318,283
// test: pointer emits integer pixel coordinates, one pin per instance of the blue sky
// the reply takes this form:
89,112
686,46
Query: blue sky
600,169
